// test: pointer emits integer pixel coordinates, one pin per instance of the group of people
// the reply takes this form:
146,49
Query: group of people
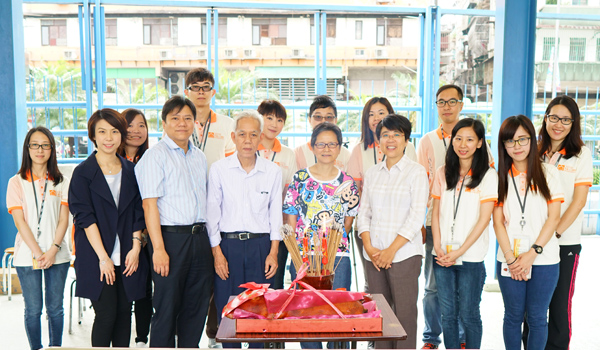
176,228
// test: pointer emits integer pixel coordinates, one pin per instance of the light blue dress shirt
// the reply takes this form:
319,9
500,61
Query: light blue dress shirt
177,179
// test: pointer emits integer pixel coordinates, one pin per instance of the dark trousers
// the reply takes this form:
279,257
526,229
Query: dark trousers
282,256
112,323
400,286
181,299
559,321
212,324
143,307
246,261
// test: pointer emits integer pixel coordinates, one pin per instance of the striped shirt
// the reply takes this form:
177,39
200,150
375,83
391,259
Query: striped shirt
177,179
393,203
244,202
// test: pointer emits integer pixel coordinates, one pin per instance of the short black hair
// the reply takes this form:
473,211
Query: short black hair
322,101
326,126
272,107
450,86
199,75
176,103
395,122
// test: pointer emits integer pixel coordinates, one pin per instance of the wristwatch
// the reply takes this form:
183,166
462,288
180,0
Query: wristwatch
538,249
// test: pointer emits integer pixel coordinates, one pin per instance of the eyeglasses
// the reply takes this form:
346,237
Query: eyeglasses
523,141
45,146
322,145
555,119
319,118
451,102
196,88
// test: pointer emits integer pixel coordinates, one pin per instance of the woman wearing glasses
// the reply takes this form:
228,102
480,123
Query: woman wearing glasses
561,147
320,195
37,200
525,219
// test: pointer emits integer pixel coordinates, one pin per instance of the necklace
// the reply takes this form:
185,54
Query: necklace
108,168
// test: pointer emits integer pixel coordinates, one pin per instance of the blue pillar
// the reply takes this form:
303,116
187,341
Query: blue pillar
12,100
514,53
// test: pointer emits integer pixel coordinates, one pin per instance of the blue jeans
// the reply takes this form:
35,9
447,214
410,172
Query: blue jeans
31,285
459,295
533,297
431,305
342,279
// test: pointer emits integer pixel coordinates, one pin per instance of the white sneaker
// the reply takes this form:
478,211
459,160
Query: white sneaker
141,344
212,344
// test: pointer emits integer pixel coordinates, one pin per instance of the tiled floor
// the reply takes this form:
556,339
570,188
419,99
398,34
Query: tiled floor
586,312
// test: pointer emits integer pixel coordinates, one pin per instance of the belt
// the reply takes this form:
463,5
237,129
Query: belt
242,236
191,229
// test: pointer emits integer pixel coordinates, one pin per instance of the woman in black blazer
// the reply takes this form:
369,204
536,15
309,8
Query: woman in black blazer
108,235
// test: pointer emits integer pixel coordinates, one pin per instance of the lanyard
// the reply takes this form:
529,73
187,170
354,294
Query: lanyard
521,204
557,161
272,158
205,132
375,155
38,210
443,138
456,203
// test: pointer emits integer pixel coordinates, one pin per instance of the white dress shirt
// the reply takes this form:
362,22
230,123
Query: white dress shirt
394,202
244,202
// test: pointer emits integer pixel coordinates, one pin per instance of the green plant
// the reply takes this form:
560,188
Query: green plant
596,180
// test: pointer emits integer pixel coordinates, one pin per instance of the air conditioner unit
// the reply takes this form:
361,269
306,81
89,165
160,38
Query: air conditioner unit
359,52
298,53
70,54
177,80
165,54
201,53
380,53
230,53
249,53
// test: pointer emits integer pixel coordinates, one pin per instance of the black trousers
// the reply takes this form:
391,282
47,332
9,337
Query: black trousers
559,321
112,323
181,299
143,307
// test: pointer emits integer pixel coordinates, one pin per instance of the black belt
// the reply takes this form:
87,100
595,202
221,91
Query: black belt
242,236
191,229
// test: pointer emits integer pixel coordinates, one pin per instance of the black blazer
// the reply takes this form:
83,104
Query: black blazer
91,202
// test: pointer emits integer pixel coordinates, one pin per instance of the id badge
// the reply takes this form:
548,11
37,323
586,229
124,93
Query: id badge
452,246
505,272
35,263
520,245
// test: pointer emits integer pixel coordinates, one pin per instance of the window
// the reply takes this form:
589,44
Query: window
444,42
110,32
222,30
358,30
331,29
580,2
380,34
577,49
394,28
54,32
549,46
160,31
269,31
598,49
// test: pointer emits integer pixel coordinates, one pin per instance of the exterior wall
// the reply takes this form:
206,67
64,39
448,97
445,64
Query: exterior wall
189,31
134,28
32,32
298,32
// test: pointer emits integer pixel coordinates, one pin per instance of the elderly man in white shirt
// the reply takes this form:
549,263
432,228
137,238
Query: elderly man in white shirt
244,213
392,211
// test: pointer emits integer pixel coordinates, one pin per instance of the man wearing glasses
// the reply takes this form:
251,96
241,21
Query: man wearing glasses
321,110
212,133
